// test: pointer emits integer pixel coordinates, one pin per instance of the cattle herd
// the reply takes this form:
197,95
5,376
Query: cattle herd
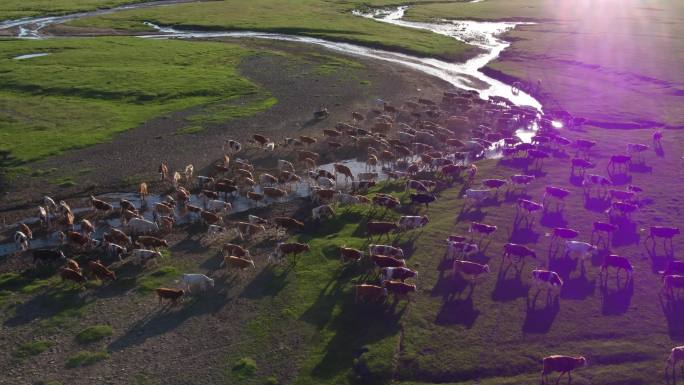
417,143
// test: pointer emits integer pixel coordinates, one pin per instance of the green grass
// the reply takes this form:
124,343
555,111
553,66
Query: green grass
15,9
85,358
157,278
189,130
32,348
245,368
94,333
316,18
90,89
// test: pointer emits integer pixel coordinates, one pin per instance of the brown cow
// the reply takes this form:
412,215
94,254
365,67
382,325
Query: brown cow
399,289
472,269
234,262
72,275
73,265
348,254
562,364
26,230
171,294
387,261
274,193
100,205
210,218
77,239
249,229
285,248
235,250
256,197
369,292
148,242
287,223
101,271
380,228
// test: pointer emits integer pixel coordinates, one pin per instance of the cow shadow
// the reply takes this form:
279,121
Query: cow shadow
564,266
321,311
616,301
673,309
539,320
519,163
578,288
553,219
620,179
597,204
64,299
659,150
514,195
449,286
626,234
458,312
167,318
523,233
268,283
472,214
640,168
576,180
509,289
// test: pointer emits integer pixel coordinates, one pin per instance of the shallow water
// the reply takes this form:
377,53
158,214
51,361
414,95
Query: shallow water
30,56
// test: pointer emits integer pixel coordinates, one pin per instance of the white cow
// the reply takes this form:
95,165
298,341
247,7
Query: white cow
408,222
215,205
144,255
141,226
196,280
325,182
464,248
21,241
387,250
322,212
579,249
477,195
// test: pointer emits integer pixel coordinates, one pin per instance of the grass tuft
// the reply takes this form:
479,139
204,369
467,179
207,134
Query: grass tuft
245,367
94,333
85,358
32,348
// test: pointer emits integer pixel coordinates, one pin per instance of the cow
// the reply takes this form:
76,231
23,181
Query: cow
348,254
521,181
617,262
387,261
455,248
409,222
380,228
100,271
493,183
322,212
423,199
625,209
387,250
72,264
472,269
617,161
528,207
172,295
600,228
580,249
24,228
47,256
676,356
581,164
399,289
217,206
232,146
518,251
72,275
239,263
274,193
283,249
671,282
284,165
386,200
152,242
371,293
200,281
398,273
118,236
667,233
562,364
141,226
142,256
100,205
76,239
599,181
287,223
416,185
556,193
114,250
344,170
551,279
483,229
21,241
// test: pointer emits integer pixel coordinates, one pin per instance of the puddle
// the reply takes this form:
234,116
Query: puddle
30,56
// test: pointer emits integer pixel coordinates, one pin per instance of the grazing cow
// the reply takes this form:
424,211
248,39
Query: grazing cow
118,236
200,281
267,180
616,162
521,181
390,251
47,256
667,233
564,233
21,241
493,183
72,275
476,196
370,293
562,364
26,230
172,295
676,356
591,180
233,146
217,206
234,262
386,200
518,251
484,229
344,170
472,269
601,228
248,229
380,228
617,262
76,239
549,278
274,193
408,222
387,261
151,242
582,250
141,226
581,164
423,199
322,212
142,256
114,250
288,223
348,254
209,218
557,193
398,273
528,207
399,289
625,209
455,248
73,265
100,271
284,249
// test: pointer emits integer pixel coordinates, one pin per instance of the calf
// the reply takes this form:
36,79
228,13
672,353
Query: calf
617,262
172,295
196,280
409,222
562,364
371,293
399,289
472,269
399,273
380,228
100,271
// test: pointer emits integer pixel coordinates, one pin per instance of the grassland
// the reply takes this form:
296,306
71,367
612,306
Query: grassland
316,18
16,9
87,90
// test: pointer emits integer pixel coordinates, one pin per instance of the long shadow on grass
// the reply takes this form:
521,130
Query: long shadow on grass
509,289
626,233
553,219
616,301
597,204
162,320
523,232
268,283
673,308
63,300
578,288
539,319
